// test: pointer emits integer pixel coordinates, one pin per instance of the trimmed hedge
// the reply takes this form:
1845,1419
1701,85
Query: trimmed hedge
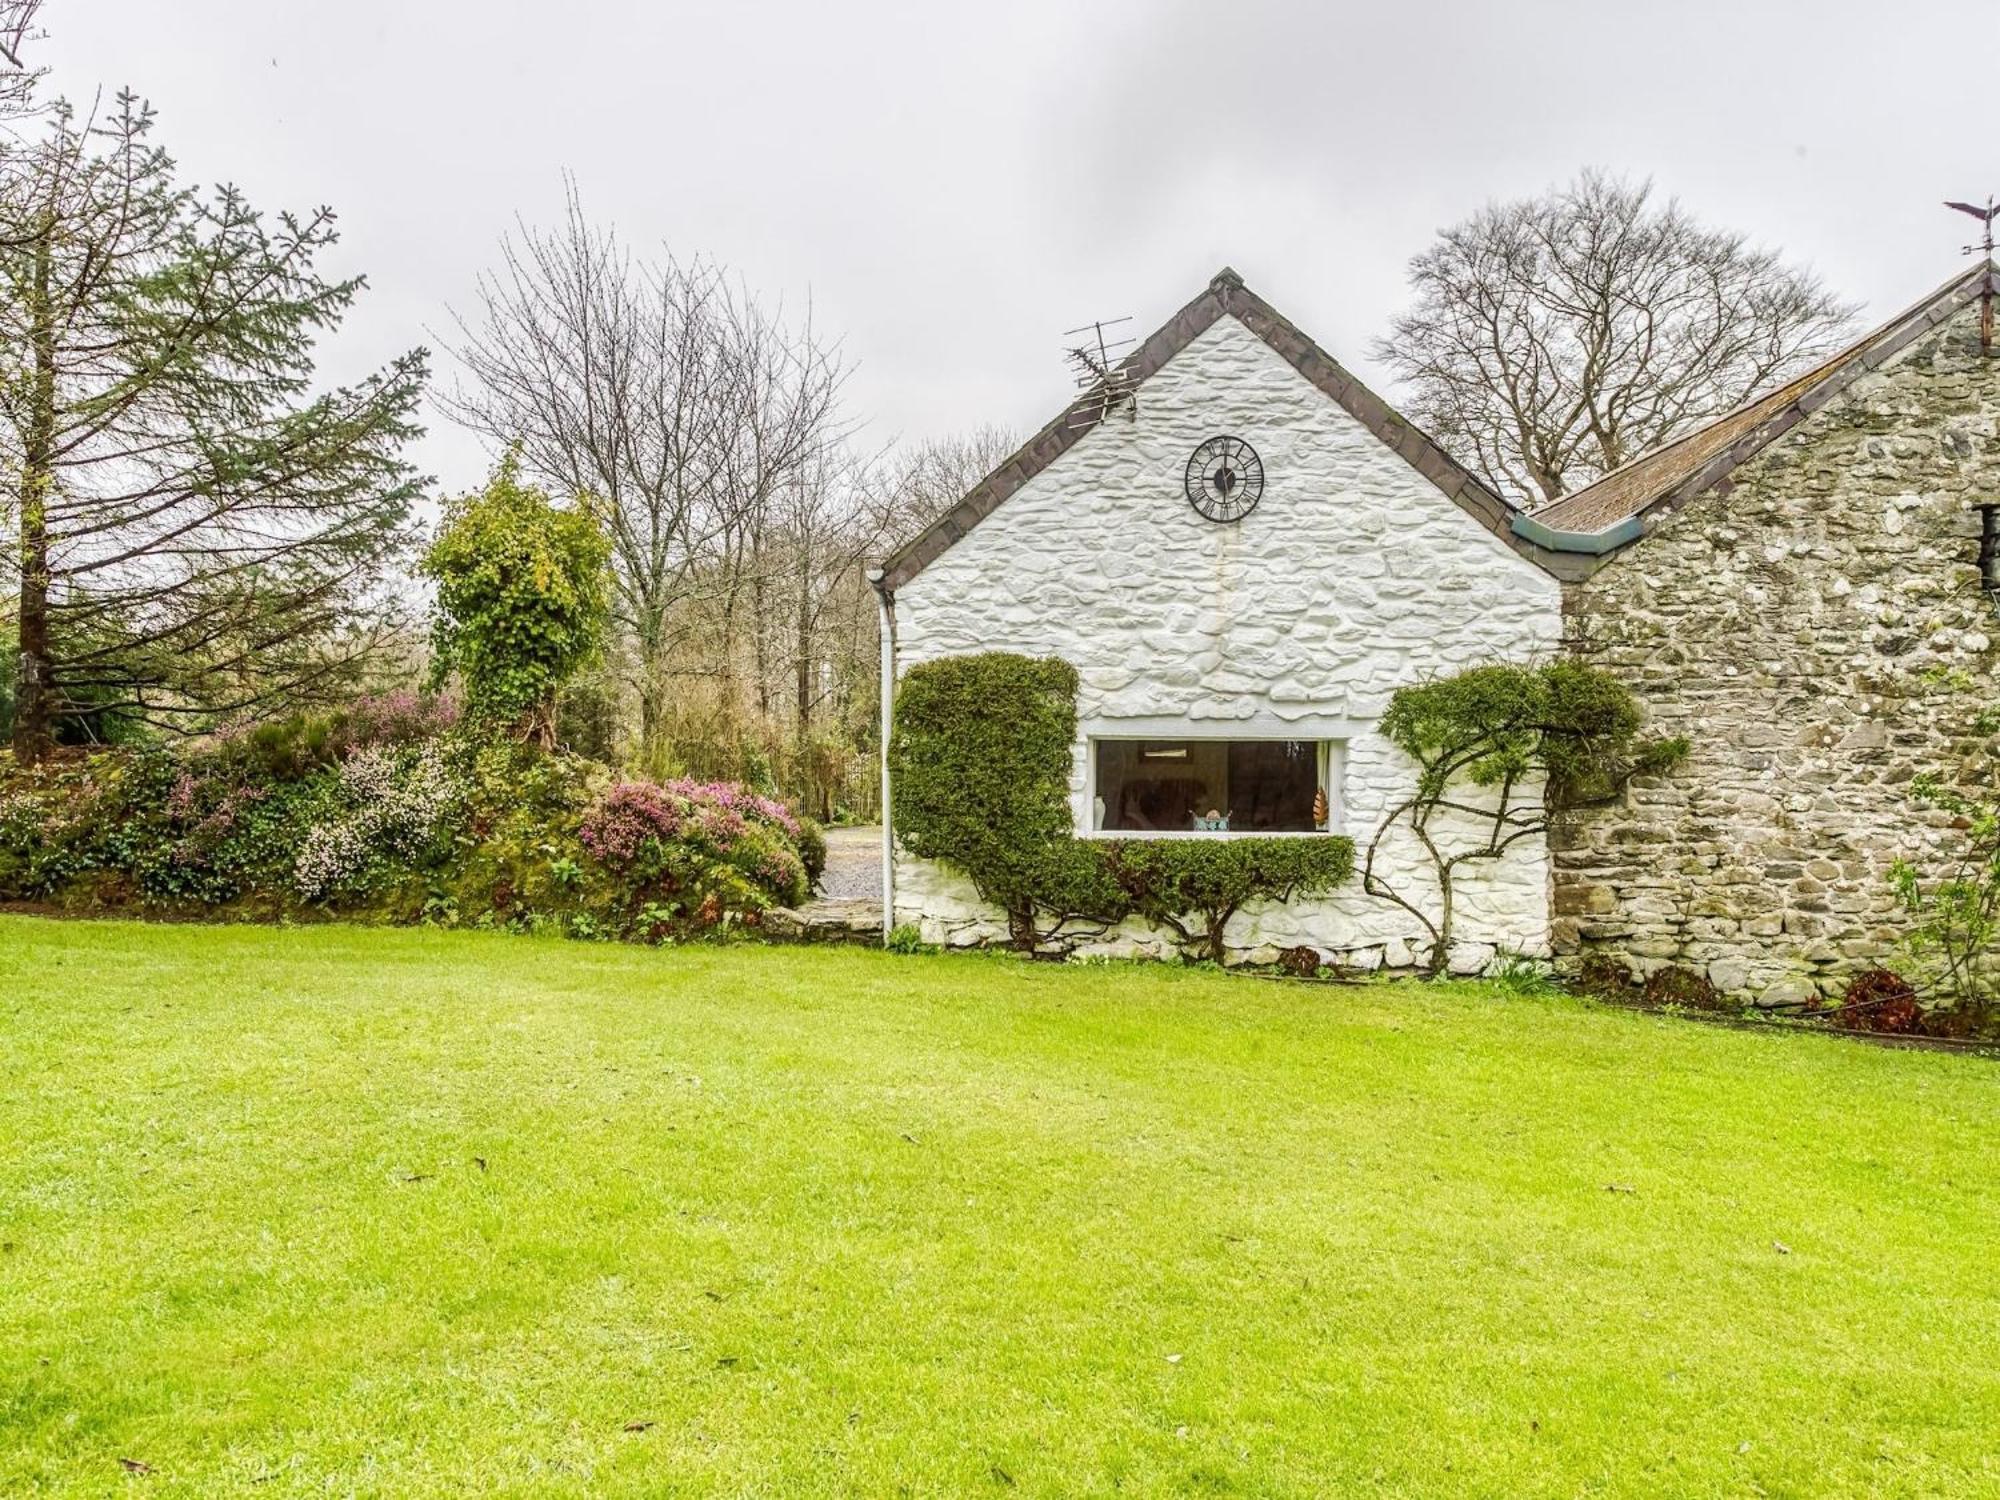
981,756
1168,880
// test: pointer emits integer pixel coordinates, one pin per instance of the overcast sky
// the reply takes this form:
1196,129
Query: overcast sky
954,186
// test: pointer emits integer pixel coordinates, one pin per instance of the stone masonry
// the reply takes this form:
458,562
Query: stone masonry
1818,630
1355,575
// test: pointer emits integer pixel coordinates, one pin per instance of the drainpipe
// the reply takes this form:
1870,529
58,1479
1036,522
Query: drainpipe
886,615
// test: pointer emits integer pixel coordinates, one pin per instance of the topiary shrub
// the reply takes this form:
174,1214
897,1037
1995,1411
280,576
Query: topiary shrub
980,756
1192,887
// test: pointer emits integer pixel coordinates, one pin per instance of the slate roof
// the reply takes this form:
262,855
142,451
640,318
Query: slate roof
1226,295
1669,476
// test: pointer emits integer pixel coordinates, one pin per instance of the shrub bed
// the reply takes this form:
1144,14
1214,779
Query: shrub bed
388,812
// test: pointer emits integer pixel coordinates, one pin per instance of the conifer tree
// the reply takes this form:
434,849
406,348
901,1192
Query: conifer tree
197,530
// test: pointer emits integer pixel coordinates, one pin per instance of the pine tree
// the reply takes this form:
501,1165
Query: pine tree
198,531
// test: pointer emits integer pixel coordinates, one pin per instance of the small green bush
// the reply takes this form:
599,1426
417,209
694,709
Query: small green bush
1169,881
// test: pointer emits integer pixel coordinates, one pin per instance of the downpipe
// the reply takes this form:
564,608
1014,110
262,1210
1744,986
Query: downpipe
886,617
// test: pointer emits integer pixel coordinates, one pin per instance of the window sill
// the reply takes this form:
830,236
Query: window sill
1122,834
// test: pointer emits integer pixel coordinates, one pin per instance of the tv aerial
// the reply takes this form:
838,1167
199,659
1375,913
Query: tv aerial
1106,386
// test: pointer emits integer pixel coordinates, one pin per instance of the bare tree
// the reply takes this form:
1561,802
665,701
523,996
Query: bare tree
933,476
672,396
1554,338
17,78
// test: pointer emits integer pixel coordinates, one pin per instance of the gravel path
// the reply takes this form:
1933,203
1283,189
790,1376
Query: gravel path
853,865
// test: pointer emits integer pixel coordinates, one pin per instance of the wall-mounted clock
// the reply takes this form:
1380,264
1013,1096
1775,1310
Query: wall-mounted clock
1225,479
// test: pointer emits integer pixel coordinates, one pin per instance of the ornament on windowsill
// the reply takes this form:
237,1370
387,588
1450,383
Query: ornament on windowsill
1319,807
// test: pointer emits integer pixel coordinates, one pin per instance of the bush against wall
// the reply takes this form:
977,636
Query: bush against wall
1952,895
1192,887
1502,753
980,759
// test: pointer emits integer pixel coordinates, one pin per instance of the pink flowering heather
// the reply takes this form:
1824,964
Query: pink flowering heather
638,822
731,797
393,718
616,829
181,799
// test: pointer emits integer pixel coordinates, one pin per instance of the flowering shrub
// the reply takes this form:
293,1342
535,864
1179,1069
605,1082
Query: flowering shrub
394,804
51,826
362,815
394,718
707,849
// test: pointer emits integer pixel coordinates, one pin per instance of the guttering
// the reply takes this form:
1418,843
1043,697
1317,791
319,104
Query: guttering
885,603
1589,543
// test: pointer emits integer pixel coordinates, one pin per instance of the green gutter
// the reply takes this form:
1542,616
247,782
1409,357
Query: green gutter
1591,543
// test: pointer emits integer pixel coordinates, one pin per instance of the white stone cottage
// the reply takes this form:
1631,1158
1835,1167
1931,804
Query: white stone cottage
1233,665
1245,558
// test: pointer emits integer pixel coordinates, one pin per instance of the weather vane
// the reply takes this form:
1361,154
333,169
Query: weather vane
1984,247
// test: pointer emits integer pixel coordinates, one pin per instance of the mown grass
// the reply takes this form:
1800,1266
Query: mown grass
396,1213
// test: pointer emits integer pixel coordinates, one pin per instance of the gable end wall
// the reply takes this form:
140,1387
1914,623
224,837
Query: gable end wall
1356,575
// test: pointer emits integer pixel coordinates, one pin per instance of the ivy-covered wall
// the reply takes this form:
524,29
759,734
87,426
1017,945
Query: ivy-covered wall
1819,635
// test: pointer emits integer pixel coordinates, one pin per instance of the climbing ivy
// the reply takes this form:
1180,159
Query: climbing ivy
522,600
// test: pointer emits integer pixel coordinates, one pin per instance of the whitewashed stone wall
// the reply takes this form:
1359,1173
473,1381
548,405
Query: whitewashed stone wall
1354,576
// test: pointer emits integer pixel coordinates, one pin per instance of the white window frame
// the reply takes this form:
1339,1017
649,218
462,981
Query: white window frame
1330,736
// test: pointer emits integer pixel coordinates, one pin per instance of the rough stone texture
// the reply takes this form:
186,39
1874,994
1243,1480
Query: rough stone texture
1803,629
1354,576
828,920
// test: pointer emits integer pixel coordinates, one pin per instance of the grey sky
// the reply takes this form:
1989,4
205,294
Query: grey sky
954,186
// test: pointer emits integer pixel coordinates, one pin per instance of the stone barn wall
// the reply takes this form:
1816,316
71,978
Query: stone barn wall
1818,631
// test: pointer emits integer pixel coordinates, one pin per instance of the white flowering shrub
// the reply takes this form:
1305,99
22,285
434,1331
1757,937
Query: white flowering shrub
389,802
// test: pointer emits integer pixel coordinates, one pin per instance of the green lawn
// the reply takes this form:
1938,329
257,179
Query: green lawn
339,1212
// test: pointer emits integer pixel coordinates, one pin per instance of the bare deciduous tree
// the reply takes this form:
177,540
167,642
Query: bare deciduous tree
17,78
1554,338
668,393
933,476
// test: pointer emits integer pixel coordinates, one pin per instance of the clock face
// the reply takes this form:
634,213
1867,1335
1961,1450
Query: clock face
1225,479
